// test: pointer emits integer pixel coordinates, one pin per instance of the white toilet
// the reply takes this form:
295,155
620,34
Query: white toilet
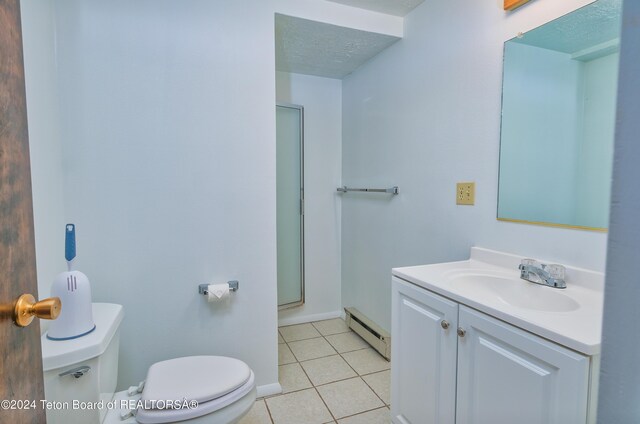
80,377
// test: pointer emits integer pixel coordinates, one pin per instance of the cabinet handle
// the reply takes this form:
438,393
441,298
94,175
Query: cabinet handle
444,324
461,332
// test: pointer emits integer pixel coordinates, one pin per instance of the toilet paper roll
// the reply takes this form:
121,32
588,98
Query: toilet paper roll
217,292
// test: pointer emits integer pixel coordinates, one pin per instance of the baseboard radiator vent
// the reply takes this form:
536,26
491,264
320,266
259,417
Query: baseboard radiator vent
373,334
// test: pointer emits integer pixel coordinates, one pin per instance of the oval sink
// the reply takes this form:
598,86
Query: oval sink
517,292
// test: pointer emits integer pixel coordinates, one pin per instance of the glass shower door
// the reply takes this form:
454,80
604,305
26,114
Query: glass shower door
290,204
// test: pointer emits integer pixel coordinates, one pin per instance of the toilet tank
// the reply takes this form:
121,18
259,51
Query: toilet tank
75,397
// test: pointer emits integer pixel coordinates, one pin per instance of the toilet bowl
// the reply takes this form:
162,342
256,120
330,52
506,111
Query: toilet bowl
81,376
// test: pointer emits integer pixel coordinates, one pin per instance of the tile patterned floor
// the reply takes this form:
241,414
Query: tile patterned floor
328,375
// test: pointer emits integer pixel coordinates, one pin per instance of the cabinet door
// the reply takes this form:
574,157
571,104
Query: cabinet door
507,375
423,356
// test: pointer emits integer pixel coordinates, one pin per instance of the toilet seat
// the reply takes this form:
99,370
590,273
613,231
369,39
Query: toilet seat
213,381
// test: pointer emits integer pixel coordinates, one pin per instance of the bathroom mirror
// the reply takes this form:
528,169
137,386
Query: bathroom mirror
558,119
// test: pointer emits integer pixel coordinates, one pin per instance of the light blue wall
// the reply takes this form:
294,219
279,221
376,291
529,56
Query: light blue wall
620,368
166,163
45,145
423,115
168,122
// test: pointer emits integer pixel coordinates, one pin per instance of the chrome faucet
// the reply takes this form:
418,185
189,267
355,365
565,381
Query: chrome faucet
551,275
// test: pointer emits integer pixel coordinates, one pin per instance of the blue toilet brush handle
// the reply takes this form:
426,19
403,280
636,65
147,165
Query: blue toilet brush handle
70,244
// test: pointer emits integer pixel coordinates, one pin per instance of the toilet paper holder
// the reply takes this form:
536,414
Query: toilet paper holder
233,286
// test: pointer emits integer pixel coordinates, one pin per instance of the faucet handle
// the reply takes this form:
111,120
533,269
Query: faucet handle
528,263
556,271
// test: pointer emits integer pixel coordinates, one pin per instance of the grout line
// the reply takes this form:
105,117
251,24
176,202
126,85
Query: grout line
316,390
294,356
368,373
354,350
297,390
374,372
367,345
364,412
300,340
374,391
319,357
357,376
313,323
314,387
268,410
336,381
323,401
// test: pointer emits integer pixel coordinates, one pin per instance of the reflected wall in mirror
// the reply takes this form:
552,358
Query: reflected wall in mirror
558,119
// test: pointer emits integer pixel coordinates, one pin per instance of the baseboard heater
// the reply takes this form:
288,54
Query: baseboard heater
371,332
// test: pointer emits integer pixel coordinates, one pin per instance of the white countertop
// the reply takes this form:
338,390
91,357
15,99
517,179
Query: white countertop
579,329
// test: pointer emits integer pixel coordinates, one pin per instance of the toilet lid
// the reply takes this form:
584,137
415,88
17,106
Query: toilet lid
163,416
199,378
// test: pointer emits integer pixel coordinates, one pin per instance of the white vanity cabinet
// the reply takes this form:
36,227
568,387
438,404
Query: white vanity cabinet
477,369
507,375
423,360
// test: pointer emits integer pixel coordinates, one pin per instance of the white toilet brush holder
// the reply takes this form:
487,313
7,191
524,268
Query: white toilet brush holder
74,290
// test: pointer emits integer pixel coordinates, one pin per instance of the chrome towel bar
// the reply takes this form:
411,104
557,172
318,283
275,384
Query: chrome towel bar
393,190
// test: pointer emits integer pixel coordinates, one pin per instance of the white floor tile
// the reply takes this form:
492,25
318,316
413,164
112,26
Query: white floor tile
327,370
377,416
366,361
331,326
284,355
305,350
349,397
380,382
258,414
292,378
346,342
297,332
304,407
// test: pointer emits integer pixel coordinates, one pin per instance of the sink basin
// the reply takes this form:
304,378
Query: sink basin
489,282
515,291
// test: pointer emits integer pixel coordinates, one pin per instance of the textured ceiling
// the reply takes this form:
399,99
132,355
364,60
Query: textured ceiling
594,24
314,48
390,7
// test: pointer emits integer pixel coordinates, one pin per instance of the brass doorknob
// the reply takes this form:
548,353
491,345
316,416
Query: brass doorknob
26,308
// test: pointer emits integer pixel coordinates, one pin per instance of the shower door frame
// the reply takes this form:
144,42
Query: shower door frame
300,302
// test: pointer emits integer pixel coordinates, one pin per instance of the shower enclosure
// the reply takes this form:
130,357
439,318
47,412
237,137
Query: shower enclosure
290,204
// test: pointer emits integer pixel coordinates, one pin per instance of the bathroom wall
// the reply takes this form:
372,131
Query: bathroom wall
167,114
38,25
424,115
620,369
322,101
167,124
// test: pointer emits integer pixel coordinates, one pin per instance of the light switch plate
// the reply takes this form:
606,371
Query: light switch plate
465,193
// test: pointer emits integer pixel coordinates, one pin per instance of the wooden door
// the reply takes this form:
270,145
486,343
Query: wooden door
21,367
507,375
423,356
